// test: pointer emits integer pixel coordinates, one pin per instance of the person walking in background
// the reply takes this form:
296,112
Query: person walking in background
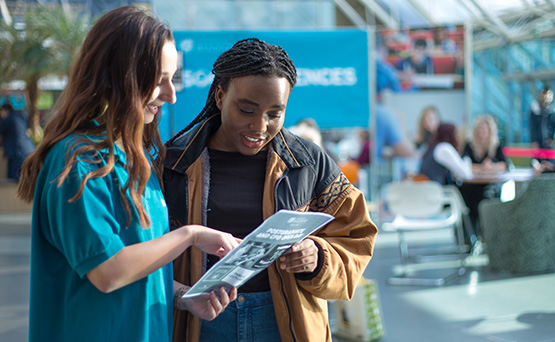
17,144
486,153
542,120
442,162
234,166
101,249
388,132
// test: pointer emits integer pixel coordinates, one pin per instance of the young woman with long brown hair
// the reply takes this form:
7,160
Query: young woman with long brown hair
101,249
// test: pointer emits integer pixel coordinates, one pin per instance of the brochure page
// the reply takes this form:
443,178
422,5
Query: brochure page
259,249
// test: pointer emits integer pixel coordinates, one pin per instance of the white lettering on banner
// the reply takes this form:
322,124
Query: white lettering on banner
197,78
335,77
326,77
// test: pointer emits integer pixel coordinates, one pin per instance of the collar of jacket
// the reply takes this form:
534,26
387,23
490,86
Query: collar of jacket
185,149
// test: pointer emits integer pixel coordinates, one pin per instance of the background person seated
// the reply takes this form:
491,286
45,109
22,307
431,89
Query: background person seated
427,126
442,162
419,61
486,153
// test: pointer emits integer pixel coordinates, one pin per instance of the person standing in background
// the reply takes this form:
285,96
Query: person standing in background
542,120
388,132
17,144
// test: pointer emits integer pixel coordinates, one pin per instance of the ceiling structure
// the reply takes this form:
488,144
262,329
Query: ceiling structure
494,22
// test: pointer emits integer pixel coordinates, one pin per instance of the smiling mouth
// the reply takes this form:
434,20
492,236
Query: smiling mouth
253,139
153,109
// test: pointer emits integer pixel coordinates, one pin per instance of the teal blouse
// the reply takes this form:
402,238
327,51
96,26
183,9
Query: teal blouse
70,239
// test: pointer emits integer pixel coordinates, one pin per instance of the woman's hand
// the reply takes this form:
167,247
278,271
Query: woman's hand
212,241
208,307
302,257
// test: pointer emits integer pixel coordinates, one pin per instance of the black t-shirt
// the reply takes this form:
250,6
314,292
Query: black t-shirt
499,156
235,201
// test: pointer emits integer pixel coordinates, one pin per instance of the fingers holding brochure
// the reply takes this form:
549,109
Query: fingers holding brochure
276,235
302,257
206,306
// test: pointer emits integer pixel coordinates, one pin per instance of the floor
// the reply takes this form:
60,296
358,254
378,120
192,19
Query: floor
479,306
14,276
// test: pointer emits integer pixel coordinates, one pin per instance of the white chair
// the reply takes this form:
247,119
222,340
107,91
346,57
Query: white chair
424,206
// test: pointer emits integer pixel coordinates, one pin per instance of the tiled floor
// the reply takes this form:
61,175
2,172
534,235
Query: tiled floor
479,306
14,276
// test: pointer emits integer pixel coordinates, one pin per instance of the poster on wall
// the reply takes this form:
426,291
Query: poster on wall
332,81
428,58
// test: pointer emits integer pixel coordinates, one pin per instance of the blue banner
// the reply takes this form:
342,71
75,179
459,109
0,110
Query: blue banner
332,83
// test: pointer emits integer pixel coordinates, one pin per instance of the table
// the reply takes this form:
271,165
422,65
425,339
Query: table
473,189
518,175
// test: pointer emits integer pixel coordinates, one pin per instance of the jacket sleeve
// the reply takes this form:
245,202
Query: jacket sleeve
346,243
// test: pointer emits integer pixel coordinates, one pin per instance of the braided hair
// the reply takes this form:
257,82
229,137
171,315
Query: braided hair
250,56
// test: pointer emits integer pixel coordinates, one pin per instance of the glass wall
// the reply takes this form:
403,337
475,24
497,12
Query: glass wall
246,14
508,79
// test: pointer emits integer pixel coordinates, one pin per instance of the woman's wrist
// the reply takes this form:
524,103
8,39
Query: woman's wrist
178,295
189,234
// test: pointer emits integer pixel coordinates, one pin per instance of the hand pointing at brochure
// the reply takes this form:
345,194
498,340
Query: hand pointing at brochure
212,241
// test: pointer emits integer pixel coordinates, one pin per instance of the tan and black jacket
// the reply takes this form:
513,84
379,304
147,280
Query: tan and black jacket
299,176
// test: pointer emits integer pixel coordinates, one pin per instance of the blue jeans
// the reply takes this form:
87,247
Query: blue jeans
250,318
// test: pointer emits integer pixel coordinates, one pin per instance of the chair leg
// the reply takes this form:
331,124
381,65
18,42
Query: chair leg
405,279
403,251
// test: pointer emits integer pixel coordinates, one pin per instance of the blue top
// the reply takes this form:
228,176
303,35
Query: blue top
426,66
70,239
386,77
388,132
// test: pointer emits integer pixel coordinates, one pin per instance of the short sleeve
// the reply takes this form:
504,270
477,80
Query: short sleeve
388,126
86,230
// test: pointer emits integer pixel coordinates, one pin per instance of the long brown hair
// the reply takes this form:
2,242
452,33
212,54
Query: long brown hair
111,81
421,132
446,132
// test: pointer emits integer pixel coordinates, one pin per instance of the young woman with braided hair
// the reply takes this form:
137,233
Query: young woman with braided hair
234,166
101,249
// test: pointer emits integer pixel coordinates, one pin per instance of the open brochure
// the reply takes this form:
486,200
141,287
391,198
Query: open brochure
259,249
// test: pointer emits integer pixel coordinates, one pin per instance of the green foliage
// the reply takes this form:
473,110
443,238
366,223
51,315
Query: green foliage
44,45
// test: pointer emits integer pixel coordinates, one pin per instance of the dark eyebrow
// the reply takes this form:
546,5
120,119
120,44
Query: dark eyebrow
252,103
249,102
